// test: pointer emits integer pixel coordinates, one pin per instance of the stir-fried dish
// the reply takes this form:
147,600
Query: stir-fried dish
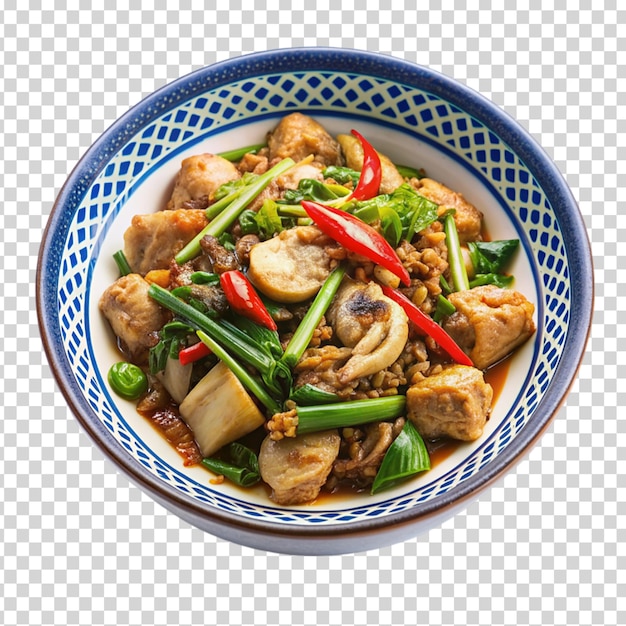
307,313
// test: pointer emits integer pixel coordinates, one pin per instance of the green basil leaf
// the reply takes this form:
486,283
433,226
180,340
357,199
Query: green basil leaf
499,280
406,457
491,257
310,395
342,175
267,219
242,467
227,188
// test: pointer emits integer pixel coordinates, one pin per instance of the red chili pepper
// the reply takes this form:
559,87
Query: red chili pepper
243,299
193,353
356,236
371,172
428,325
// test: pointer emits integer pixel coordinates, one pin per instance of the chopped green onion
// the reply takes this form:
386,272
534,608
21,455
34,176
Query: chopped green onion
499,280
238,153
242,470
458,270
443,309
302,337
351,413
205,278
253,385
122,263
239,343
407,171
308,394
227,216
406,457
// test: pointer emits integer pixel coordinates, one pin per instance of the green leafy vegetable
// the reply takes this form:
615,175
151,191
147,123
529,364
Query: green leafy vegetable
172,338
242,467
409,172
263,337
342,175
233,185
491,257
315,190
267,219
499,280
458,271
414,212
247,222
406,457
308,394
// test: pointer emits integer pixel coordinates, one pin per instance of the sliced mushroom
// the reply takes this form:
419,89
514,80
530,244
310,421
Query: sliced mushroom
375,327
290,267
297,467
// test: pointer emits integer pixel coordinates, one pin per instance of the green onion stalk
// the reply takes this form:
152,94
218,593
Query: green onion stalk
455,256
302,337
251,383
275,374
238,201
349,413
238,153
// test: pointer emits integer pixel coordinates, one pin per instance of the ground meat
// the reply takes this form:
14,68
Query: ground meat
362,452
242,248
222,260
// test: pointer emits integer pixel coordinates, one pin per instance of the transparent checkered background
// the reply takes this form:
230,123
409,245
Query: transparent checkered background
80,545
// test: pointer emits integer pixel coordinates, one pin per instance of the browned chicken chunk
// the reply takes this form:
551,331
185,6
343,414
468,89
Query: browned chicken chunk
133,315
152,240
297,136
468,218
297,467
453,403
198,179
490,322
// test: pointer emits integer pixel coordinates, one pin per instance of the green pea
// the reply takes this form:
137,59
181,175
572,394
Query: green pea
127,380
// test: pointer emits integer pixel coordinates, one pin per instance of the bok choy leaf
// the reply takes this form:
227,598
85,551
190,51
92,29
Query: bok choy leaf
406,457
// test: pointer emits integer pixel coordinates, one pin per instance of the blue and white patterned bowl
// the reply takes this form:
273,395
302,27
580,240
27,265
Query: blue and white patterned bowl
417,117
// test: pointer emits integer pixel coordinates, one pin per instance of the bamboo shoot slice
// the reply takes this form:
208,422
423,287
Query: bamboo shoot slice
219,410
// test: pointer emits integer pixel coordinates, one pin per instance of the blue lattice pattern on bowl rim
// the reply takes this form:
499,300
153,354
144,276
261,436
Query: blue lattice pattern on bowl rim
189,112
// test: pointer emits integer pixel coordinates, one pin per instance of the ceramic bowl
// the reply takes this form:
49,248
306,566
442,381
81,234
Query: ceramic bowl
417,117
